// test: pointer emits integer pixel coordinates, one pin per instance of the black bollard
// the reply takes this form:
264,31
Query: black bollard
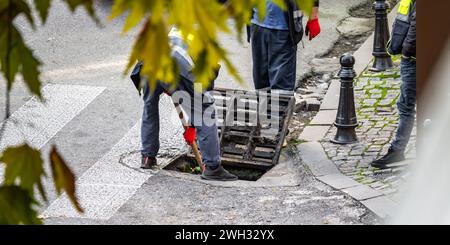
346,120
383,60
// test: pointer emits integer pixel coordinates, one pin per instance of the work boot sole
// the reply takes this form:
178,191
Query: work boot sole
385,165
151,167
214,178
379,165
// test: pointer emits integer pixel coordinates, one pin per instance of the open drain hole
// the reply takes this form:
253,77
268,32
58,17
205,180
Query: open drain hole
187,164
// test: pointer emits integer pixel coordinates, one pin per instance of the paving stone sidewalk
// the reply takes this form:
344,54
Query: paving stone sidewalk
376,95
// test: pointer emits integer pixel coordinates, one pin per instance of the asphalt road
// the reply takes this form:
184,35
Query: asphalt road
92,114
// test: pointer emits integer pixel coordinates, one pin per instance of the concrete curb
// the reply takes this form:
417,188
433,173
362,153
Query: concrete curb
314,156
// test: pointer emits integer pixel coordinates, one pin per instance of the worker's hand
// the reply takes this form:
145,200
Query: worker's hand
313,29
313,25
189,135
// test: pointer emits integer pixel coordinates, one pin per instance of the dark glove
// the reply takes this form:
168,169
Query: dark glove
212,83
313,29
189,135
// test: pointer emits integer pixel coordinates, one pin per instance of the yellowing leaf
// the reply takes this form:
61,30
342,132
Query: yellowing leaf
305,5
88,5
135,17
63,178
202,19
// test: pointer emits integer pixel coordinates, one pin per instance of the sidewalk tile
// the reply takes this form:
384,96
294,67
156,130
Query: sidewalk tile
338,181
381,206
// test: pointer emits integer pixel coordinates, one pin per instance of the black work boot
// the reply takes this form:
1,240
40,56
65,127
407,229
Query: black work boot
392,156
219,174
148,162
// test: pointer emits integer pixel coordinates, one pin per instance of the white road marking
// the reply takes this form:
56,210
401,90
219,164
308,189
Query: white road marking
115,178
106,186
36,123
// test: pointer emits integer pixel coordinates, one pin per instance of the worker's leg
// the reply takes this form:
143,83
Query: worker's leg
207,133
282,61
406,105
407,111
260,45
202,116
201,113
150,122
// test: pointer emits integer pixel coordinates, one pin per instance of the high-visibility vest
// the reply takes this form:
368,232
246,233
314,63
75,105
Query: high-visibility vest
404,9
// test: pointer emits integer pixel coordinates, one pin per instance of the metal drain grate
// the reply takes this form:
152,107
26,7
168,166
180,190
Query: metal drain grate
253,126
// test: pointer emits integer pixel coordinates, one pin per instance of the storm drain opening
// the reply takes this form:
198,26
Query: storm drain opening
252,130
187,164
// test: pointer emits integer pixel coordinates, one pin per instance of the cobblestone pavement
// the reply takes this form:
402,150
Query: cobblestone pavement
376,95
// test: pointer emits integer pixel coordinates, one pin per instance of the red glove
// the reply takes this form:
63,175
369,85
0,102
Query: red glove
312,29
189,135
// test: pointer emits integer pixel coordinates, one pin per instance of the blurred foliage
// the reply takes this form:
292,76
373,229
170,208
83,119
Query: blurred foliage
201,19
24,167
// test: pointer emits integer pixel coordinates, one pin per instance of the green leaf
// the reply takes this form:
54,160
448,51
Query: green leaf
17,207
63,178
16,57
197,170
88,6
24,166
9,10
30,69
42,6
